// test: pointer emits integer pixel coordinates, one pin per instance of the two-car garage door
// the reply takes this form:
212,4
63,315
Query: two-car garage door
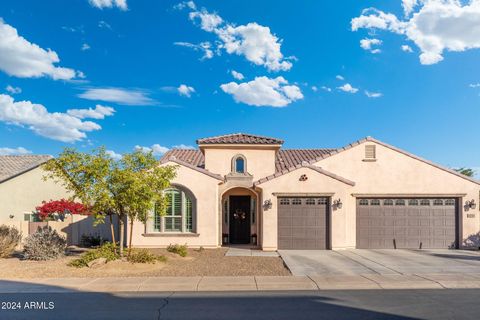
406,223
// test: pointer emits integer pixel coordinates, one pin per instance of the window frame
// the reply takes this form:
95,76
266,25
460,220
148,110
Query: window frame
159,222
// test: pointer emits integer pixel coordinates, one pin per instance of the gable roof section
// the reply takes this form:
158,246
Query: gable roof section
191,166
305,165
408,154
240,138
13,166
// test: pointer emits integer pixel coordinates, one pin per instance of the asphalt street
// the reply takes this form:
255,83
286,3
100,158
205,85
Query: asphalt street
352,304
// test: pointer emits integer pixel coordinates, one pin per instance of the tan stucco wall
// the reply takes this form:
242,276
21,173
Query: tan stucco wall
260,161
316,183
397,173
23,193
205,191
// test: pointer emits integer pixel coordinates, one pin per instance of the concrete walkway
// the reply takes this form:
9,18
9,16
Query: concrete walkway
250,283
247,252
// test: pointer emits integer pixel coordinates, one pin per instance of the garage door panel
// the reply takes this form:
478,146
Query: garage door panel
409,223
306,227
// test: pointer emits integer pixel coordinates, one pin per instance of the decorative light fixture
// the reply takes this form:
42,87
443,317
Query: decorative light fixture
267,204
337,203
471,204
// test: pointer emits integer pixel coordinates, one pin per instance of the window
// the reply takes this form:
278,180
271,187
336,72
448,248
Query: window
239,164
438,202
225,211
388,202
413,202
364,202
375,202
178,213
284,201
399,202
424,202
370,152
322,201
449,202
296,201
253,211
310,201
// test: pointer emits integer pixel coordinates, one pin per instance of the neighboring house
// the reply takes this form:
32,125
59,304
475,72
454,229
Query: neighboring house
246,189
22,187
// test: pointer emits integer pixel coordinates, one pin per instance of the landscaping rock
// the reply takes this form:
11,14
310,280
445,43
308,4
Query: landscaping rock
97,262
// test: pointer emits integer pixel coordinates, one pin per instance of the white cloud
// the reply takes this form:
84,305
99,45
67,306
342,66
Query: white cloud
264,91
183,146
13,151
104,25
185,90
373,94
339,77
21,58
406,48
408,6
115,156
366,44
347,87
434,26
314,88
237,75
328,89
100,4
157,149
118,95
474,85
85,47
253,41
55,125
100,112
204,47
13,90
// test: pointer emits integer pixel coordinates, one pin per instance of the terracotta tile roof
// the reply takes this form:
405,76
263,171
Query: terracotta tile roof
239,138
12,166
285,158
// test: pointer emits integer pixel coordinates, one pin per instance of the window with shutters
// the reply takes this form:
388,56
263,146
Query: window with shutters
179,213
370,152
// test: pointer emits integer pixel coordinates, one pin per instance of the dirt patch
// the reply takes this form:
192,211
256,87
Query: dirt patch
208,262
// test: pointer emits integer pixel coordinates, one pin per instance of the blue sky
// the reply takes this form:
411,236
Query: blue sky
307,77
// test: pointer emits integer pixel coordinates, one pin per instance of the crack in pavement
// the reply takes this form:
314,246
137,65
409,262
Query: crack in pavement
166,301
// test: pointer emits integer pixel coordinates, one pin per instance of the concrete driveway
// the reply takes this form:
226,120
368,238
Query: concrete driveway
381,261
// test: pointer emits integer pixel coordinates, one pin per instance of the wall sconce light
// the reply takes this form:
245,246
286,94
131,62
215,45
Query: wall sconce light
337,204
471,204
267,204
11,216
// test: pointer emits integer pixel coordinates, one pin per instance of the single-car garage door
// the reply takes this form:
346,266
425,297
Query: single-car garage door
406,223
302,223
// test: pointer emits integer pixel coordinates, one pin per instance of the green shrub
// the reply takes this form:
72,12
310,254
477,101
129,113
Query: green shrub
144,256
44,244
10,237
181,250
107,251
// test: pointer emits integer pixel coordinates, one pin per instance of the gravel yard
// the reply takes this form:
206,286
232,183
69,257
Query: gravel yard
208,262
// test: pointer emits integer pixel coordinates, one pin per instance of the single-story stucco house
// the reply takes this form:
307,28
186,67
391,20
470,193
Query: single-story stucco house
22,187
246,189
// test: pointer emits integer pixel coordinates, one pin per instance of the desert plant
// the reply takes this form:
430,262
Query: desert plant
44,244
144,256
107,251
10,237
181,250
91,240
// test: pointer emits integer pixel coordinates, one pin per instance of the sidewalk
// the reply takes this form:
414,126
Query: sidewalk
253,283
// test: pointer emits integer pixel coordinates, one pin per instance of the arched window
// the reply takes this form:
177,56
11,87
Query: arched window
179,215
239,164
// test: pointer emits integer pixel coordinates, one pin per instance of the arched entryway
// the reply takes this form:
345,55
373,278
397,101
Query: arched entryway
240,217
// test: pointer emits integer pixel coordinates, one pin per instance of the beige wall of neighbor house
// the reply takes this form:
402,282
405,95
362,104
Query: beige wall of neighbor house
399,174
206,227
260,159
341,219
21,194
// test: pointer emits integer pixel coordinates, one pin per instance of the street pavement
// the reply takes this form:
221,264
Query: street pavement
333,304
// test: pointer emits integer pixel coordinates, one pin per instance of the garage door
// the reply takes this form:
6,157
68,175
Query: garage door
406,223
302,223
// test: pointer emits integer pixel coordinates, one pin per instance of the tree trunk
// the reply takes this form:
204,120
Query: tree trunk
130,237
122,232
112,229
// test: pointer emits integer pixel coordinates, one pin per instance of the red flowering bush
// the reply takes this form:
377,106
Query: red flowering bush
60,208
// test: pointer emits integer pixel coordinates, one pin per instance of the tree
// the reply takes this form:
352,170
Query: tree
466,171
129,187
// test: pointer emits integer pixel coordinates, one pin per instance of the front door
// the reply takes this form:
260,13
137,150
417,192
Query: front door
239,219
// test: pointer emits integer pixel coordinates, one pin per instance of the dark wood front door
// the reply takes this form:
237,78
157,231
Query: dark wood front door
239,219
